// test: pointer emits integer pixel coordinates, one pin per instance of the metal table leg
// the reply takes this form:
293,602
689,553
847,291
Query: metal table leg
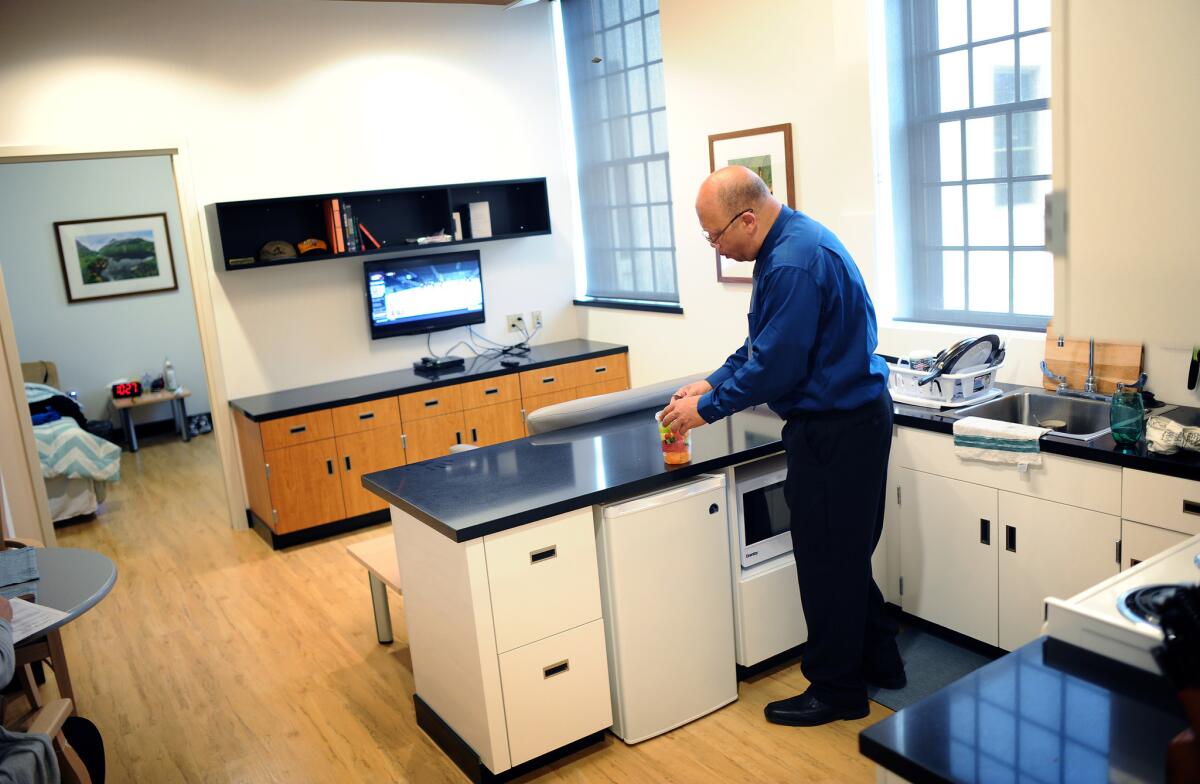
183,428
130,433
379,602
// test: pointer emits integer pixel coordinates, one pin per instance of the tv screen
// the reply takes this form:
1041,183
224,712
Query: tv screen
419,294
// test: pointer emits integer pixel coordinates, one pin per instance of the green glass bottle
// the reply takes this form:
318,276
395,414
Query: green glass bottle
1127,416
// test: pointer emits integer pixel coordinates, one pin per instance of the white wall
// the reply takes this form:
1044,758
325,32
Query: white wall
94,342
288,97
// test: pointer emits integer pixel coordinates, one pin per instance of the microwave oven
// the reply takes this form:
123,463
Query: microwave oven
763,517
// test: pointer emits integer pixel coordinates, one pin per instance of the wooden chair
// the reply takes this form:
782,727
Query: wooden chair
48,720
49,649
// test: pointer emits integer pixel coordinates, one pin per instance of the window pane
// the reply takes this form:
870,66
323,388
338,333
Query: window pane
653,39
994,74
988,287
1034,14
643,270
952,215
952,23
987,148
619,228
1029,223
987,214
616,94
624,261
660,226
635,53
664,268
953,290
952,72
1031,143
637,90
639,226
950,150
640,124
1035,66
614,50
660,131
620,137
655,77
659,190
651,6
632,8
637,183
610,12
1033,283
991,19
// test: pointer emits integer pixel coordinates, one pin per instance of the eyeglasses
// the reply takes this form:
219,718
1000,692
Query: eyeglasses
713,239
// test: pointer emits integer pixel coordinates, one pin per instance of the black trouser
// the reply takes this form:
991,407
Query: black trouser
835,489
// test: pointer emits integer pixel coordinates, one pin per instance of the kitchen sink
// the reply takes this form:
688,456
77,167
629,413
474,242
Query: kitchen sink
1070,417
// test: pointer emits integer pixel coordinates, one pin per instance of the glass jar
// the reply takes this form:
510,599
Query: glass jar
1126,414
676,449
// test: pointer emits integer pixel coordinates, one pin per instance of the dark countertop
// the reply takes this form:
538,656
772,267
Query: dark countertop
471,494
274,405
481,491
1183,464
1045,712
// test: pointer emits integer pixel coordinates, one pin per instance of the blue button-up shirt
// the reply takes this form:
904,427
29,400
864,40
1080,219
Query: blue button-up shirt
812,330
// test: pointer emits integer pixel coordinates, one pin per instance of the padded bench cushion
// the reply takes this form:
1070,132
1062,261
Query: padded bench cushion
598,407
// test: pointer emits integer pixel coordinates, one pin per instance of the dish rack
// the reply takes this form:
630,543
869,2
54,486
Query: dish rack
949,390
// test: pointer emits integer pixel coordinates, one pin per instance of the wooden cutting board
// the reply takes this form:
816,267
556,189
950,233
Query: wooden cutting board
1114,362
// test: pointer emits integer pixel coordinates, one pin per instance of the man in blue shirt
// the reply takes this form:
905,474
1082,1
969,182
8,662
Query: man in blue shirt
810,357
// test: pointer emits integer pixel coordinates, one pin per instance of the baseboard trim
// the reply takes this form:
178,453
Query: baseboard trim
306,535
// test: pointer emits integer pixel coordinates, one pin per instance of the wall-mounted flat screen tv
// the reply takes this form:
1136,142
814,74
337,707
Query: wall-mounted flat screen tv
418,294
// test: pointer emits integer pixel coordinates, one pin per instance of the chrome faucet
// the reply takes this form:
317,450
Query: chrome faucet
1089,385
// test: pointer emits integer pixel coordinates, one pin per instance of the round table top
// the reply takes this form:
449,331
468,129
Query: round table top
72,580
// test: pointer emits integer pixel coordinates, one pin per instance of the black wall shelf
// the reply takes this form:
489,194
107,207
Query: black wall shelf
519,208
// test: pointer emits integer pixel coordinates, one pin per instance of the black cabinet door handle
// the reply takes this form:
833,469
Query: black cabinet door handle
1010,538
474,436
544,554
551,670
603,369
548,380
430,403
368,415
299,429
492,391
329,467
985,531
1191,507
458,437
347,459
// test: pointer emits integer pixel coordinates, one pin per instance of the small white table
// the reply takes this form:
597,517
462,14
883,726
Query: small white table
383,572
125,406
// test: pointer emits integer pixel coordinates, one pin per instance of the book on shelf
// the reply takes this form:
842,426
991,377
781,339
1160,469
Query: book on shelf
339,238
480,218
351,234
368,237
330,232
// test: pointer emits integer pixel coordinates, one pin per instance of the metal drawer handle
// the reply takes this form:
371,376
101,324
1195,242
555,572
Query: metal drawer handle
492,391
548,380
544,554
549,671
1191,507
300,429
429,403
368,415
602,369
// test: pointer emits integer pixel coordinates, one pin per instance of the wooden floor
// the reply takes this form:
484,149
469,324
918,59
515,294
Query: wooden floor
215,659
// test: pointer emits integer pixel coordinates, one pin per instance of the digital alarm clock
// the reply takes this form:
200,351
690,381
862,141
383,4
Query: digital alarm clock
124,389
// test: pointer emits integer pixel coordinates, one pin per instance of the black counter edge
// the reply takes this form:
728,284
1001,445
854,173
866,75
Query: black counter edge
1076,449
306,535
617,493
896,762
431,384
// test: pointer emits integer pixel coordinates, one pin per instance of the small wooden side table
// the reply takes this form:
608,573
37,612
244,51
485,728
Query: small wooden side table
126,405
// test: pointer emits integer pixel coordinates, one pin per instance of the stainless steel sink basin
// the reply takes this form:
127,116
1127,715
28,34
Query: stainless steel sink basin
1066,416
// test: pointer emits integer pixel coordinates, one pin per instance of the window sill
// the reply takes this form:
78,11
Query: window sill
1006,333
629,304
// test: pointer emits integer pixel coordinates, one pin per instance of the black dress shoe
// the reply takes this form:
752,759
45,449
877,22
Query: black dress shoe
804,710
891,681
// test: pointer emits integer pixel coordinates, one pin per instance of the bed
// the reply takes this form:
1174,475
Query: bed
76,465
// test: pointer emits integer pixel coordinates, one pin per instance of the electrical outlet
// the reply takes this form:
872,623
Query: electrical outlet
536,317
516,322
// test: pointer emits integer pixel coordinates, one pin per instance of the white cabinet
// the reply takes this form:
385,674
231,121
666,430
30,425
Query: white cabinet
948,552
1161,501
1048,549
1139,542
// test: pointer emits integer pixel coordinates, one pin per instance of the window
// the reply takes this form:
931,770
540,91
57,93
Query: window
615,70
971,160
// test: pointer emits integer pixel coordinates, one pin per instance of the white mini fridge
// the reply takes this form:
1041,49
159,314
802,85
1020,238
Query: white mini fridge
668,607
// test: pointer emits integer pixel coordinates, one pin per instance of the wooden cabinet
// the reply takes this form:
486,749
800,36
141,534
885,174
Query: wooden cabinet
365,416
430,403
362,453
299,429
1048,549
305,487
432,436
534,402
490,391
493,424
603,388
547,380
947,553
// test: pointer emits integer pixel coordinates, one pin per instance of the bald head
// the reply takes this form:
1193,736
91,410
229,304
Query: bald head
733,189
736,209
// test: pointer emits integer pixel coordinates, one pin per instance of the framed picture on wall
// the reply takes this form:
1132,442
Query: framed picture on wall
116,257
767,152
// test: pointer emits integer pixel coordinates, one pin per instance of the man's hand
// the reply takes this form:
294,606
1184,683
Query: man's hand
681,416
5,609
693,389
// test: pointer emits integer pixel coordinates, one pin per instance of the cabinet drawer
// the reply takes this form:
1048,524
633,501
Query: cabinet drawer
605,387
543,578
490,391
532,403
1140,542
549,379
431,402
1162,501
299,429
365,416
556,691
591,371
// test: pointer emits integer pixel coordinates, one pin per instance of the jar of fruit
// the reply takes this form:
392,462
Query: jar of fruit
676,449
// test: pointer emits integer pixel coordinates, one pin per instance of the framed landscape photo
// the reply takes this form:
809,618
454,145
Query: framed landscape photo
766,151
116,257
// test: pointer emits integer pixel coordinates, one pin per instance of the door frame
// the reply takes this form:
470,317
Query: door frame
28,497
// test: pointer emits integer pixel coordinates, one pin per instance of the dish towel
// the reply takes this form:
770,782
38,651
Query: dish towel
976,438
